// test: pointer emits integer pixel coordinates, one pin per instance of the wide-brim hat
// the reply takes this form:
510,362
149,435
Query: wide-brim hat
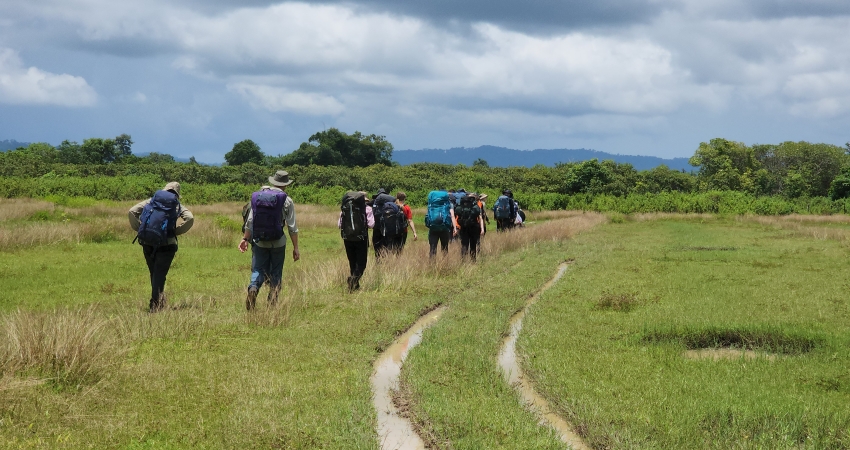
173,187
280,179
482,197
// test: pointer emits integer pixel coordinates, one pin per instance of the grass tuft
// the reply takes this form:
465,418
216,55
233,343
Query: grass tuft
623,302
71,347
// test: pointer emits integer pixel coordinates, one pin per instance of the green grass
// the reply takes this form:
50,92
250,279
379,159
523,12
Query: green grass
604,344
620,376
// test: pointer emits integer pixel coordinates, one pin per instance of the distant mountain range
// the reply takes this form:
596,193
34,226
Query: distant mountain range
505,157
11,144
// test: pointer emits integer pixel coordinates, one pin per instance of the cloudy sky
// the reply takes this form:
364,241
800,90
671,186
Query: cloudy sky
639,77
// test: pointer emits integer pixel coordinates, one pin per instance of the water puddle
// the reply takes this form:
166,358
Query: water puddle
509,362
394,431
726,353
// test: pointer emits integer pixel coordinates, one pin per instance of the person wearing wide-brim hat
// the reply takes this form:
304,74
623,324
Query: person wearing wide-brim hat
159,257
269,253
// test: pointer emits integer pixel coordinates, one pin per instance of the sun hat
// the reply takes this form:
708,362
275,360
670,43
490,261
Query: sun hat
280,179
174,187
482,197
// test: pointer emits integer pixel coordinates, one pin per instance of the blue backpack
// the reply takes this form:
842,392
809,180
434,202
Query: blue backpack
267,206
159,219
504,208
438,217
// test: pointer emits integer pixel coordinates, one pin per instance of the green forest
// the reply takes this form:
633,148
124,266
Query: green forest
728,176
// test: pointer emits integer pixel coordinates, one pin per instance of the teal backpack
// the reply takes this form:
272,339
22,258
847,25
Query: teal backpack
438,217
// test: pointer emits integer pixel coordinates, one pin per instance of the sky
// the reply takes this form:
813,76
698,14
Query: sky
631,77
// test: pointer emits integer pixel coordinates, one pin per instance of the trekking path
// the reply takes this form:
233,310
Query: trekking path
509,362
394,431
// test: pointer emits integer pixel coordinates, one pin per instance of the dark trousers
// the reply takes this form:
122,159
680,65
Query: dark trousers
443,237
400,240
357,253
469,239
504,224
380,243
159,261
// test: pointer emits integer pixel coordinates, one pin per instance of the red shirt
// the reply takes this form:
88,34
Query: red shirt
409,214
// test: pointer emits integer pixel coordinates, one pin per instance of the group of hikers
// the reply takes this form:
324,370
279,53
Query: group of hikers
451,215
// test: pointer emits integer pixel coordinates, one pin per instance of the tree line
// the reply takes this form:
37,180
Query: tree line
332,158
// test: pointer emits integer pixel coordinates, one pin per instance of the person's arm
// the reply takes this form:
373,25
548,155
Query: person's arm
289,217
296,255
370,217
410,221
135,213
454,222
246,237
188,221
480,225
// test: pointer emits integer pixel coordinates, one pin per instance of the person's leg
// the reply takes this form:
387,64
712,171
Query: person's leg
148,251
276,258
445,237
464,243
361,255
259,272
162,258
433,238
474,242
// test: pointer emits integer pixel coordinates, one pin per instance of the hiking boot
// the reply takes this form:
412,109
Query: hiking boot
157,305
251,299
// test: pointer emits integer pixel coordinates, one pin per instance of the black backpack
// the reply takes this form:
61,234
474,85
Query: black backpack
353,218
467,213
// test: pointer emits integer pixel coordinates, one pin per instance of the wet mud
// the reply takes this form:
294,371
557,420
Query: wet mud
509,363
395,432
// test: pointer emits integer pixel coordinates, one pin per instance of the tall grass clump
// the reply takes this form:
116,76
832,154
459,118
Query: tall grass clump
70,347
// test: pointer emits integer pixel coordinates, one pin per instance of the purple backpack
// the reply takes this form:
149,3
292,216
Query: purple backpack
267,206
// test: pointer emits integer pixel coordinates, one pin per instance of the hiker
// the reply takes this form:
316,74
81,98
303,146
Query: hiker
155,221
355,219
520,215
387,223
468,216
401,240
504,211
271,208
440,220
482,204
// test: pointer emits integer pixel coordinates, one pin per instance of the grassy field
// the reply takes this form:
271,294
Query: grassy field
609,341
84,365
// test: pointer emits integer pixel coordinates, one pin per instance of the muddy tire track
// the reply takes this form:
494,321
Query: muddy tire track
395,431
509,362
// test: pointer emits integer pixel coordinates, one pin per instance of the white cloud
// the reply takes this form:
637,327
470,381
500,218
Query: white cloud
25,86
276,99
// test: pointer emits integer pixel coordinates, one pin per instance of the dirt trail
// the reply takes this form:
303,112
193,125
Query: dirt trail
509,363
394,431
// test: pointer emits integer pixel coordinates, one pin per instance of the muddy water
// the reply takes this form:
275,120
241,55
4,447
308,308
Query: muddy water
509,362
394,431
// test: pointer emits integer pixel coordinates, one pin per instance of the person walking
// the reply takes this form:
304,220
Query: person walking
504,211
155,221
355,220
384,234
401,239
271,208
440,220
468,215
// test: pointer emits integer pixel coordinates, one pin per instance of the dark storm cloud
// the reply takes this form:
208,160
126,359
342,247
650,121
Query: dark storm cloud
781,9
530,16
